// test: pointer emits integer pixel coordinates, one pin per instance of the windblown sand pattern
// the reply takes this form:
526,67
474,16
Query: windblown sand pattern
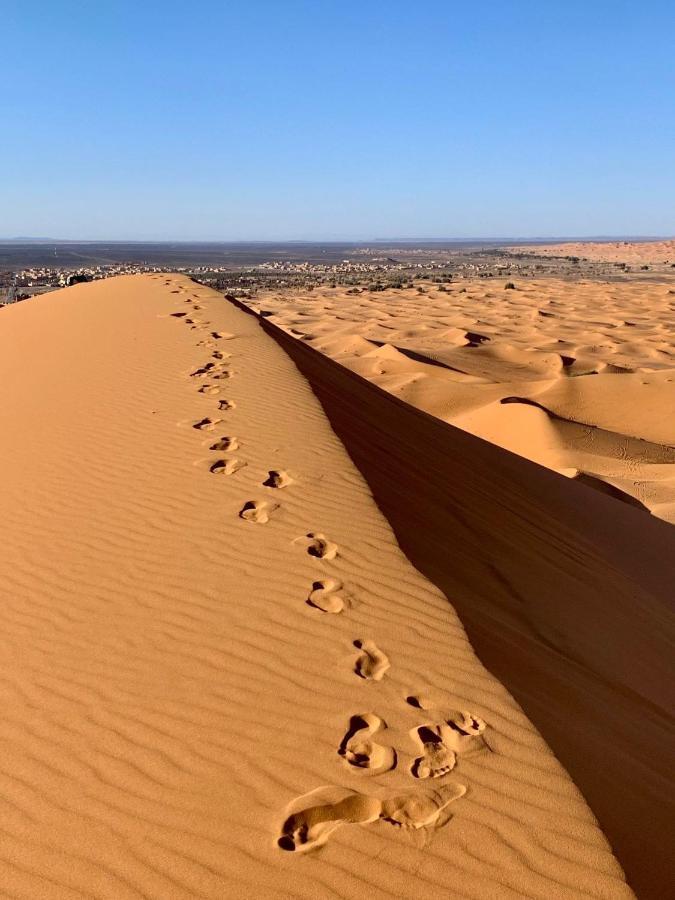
236,686
579,377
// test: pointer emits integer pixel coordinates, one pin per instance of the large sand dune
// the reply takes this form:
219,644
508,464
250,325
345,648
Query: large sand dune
630,252
220,675
577,376
566,595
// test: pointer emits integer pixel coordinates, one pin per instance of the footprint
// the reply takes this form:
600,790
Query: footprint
277,479
326,597
226,404
225,444
220,354
466,733
437,758
421,810
206,424
203,371
443,741
209,389
358,750
258,511
315,816
372,664
221,335
178,315
226,466
319,546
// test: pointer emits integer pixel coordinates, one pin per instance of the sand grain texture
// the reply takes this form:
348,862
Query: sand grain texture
184,707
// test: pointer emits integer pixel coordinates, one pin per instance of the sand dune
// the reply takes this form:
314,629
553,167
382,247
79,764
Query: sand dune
631,252
220,675
566,595
577,376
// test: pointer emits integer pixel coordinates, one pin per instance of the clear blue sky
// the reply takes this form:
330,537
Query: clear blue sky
331,119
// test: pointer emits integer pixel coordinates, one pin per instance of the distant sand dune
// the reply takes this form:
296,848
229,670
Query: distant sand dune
591,357
198,702
633,252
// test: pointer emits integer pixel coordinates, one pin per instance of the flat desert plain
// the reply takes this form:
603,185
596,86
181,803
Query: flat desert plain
578,376
220,676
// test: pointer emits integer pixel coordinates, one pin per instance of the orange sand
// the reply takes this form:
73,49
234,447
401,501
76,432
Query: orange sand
576,376
631,252
209,634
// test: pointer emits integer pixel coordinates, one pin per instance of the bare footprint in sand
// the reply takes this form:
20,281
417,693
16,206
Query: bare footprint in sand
209,389
325,595
178,315
206,424
315,816
360,751
225,445
258,511
372,664
220,354
226,404
221,374
226,466
319,546
442,742
437,758
277,479
312,818
207,369
429,810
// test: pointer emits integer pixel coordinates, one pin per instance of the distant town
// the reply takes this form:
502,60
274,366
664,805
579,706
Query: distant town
247,269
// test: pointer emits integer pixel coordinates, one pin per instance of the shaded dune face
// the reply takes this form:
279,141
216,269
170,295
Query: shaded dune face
215,656
566,595
596,360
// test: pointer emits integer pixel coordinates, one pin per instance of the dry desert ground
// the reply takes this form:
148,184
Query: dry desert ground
632,253
576,376
221,676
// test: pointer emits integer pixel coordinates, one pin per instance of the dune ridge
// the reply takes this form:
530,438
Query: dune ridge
220,676
566,595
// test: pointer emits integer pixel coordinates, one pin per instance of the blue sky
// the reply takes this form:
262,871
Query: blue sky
336,119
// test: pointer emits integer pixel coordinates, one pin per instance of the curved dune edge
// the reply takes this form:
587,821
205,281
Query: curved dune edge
565,593
596,359
213,650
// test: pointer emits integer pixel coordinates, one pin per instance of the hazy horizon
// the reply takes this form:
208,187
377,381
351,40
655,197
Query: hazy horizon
356,240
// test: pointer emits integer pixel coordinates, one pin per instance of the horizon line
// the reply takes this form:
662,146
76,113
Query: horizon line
371,240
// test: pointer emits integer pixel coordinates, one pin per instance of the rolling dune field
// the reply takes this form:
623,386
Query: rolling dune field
576,376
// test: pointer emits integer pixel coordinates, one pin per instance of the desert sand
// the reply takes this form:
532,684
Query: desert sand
221,677
576,376
630,252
